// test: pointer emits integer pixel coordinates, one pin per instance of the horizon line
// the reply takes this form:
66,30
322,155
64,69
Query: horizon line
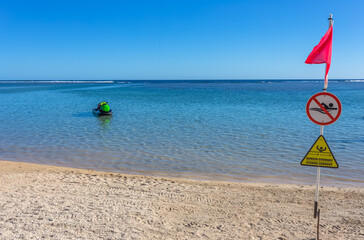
181,79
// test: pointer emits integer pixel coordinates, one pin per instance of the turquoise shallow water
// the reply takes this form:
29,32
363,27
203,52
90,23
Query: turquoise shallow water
231,130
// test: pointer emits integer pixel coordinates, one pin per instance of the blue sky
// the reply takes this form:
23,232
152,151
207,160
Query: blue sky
173,39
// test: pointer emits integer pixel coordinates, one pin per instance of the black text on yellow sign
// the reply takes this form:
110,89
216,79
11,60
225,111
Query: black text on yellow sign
320,155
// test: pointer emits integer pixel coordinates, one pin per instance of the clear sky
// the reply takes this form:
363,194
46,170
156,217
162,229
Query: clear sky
177,39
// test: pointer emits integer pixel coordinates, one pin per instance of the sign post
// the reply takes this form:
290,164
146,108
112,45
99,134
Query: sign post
322,109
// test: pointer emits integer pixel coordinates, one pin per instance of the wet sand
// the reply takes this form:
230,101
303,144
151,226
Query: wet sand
47,202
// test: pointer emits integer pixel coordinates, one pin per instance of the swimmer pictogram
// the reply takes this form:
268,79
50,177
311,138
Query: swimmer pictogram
323,108
328,108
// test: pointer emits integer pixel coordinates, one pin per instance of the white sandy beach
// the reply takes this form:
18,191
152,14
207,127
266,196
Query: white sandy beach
46,202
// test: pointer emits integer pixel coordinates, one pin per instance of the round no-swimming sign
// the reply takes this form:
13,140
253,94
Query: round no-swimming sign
323,108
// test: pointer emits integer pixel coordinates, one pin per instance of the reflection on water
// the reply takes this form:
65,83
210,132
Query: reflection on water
104,122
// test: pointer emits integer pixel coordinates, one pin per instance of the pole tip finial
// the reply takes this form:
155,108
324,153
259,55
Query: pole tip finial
330,18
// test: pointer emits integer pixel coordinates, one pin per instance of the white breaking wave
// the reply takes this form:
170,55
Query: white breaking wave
356,80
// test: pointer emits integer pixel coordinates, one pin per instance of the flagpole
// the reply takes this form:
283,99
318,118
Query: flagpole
326,82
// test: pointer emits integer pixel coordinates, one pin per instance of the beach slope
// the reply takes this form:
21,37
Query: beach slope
49,202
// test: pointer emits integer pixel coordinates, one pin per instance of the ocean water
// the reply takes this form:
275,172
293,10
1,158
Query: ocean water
255,131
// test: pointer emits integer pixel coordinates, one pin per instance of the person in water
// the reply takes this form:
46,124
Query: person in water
103,107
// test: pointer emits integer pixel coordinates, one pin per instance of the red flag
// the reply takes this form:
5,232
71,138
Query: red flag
322,52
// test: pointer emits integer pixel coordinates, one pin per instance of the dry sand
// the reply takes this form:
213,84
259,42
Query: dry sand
45,202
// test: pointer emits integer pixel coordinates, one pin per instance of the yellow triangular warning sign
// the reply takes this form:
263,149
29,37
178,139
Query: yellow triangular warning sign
320,155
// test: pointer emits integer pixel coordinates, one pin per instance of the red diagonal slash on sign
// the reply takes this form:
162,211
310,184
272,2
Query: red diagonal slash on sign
323,108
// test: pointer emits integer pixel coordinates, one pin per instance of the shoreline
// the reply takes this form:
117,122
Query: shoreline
59,202
326,181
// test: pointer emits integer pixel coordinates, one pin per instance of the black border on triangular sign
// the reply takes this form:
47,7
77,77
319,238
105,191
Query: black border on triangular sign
329,150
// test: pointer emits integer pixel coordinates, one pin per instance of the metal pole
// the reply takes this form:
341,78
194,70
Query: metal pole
317,192
317,183
331,21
